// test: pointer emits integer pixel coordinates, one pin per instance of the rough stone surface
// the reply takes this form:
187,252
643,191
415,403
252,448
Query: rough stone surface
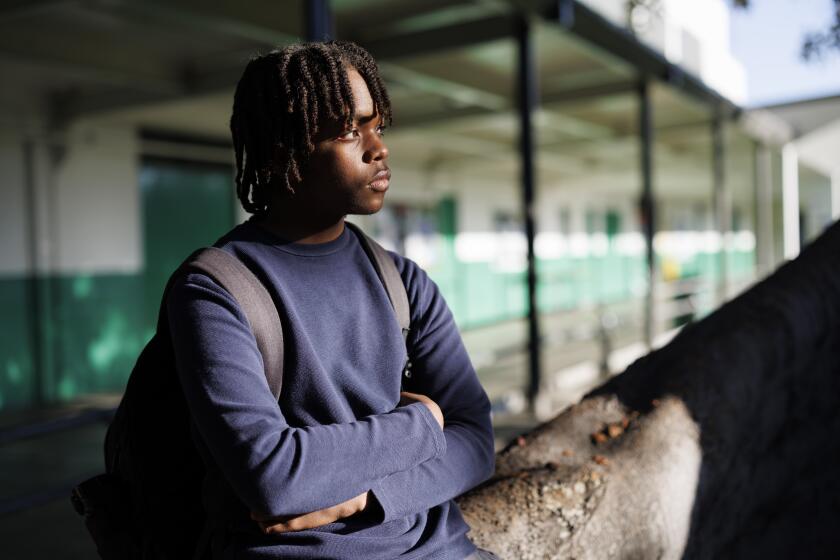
723,444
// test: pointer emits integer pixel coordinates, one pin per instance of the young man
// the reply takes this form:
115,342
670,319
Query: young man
347,466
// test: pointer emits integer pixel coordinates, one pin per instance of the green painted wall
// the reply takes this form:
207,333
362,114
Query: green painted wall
91,327
87,337
17,384
185,206
478,294
101,322
99,331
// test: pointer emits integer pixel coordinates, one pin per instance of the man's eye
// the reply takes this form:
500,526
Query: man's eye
381,130
350,134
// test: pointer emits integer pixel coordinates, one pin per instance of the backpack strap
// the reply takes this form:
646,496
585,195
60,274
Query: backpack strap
255,301
389,275
391,279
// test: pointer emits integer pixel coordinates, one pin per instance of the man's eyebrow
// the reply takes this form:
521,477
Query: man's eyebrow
362,119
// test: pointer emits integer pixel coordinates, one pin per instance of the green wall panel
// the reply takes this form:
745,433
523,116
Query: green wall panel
91,331
91,327
99,323
479,294
100,330
185,206
17,384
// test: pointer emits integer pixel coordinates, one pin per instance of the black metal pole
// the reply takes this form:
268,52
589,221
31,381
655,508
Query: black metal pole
527,99
319,20
35,291
646,205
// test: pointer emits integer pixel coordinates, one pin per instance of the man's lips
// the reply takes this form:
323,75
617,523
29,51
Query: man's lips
380,180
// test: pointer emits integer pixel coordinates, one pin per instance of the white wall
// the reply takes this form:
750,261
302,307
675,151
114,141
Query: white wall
85,200
13,214
99,225
674,29
707,22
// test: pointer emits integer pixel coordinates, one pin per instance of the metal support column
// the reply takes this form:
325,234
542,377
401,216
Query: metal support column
33,291
764,210
721,206
790,201
319,20
527,100
646,206
39,285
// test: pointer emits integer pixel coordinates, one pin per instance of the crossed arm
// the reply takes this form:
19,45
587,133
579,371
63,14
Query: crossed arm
282,524
279,471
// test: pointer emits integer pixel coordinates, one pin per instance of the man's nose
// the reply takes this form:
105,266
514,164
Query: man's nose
377,151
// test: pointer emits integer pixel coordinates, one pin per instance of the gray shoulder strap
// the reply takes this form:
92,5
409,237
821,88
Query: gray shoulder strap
390,276
255,301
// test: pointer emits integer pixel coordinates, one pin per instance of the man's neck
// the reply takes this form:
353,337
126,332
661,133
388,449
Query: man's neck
301,228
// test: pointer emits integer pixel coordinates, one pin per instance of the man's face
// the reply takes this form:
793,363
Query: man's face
348,171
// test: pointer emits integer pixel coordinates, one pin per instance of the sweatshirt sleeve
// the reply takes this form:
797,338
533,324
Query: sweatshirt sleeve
441,370
274,468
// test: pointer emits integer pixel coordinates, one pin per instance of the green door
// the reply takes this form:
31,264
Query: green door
185,206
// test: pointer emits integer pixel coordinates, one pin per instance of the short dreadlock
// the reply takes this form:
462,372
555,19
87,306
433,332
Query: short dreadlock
281,100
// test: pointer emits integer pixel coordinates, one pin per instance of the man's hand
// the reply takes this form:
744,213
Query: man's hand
272,525
407,398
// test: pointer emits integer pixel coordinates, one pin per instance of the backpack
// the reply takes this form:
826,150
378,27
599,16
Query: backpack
148,503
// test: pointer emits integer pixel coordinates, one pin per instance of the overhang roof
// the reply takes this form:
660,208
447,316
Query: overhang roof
816,126
807,115
88,56
171,65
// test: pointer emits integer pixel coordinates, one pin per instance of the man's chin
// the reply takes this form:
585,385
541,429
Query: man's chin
369,207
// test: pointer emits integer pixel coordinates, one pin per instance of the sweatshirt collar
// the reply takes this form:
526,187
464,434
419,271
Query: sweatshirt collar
300,249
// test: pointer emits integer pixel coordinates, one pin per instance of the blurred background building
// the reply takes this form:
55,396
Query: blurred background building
579,178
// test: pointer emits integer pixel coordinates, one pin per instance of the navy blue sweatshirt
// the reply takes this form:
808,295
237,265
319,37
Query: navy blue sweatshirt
338,430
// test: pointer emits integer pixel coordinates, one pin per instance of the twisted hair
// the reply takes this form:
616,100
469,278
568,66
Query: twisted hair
281,100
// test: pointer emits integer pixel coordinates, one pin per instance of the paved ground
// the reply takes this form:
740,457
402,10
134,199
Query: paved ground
40,465
36,518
